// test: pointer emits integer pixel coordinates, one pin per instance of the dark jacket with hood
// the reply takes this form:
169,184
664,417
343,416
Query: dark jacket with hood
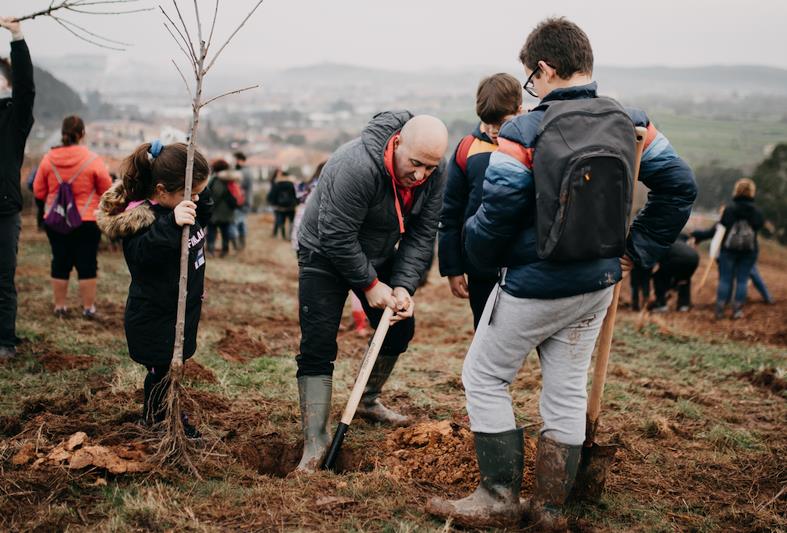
221,189
741,208
16,121
351,216
461,200
151,247
502,233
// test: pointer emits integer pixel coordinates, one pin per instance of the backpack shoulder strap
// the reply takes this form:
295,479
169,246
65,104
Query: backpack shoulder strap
462,151
89,159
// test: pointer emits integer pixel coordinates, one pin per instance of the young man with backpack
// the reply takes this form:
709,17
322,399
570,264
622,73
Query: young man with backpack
498,99
16,121
556,199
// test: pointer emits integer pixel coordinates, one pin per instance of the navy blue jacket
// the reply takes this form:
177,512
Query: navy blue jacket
461,200
502,233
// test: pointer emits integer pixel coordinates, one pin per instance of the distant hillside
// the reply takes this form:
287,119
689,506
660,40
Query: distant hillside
54,99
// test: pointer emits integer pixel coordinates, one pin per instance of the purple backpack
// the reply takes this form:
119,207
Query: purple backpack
63,216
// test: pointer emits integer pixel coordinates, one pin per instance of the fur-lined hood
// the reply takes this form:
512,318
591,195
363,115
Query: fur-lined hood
115,220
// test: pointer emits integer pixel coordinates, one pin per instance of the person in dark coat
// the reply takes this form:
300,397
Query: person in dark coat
674,272
148,211
16,121
369,227
498,99
742,221
283,197
225,190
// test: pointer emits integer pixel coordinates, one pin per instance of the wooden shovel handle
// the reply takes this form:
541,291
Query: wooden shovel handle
366,366
608,326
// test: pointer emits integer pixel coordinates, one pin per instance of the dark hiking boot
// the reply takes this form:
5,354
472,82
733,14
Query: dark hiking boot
719,313
371,408
90,313
314,393
61,312
556,471
737,313
495,503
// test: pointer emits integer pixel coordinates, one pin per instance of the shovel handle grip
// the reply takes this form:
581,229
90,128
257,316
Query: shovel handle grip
336,444
608,326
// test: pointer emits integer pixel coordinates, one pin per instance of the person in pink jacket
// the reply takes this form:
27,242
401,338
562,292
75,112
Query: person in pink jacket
87,174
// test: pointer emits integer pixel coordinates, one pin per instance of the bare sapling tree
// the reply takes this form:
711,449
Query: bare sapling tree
174,445
57,11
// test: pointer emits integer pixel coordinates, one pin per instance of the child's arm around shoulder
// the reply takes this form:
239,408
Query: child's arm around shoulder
670,200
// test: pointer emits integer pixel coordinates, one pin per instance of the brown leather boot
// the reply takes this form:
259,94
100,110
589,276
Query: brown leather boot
495,503
371,408
556,471
314,393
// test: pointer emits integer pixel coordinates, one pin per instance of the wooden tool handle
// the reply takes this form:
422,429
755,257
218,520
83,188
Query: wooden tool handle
366,366
608,326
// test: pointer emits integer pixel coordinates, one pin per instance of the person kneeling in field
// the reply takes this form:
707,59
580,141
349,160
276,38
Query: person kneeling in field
147,210
556,199
369,227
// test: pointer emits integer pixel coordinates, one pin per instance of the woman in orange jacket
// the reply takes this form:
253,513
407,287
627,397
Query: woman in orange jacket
87,175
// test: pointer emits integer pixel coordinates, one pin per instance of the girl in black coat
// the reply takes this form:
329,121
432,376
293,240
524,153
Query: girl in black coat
147,210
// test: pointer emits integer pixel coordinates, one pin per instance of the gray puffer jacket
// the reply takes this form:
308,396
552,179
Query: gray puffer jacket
351,216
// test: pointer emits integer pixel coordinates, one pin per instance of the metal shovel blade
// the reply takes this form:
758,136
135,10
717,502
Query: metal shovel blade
594,464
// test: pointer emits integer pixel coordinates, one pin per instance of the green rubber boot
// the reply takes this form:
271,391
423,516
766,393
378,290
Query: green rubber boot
556,471
371,408
315,398
495,503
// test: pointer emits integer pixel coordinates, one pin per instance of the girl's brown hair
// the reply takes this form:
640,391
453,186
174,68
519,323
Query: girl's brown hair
744,187
141,172
72,131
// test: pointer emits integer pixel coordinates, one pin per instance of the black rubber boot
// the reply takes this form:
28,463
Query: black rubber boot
314,393
371,408
495,503
556,471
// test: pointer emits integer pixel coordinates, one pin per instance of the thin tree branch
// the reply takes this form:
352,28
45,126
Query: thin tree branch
70,4
97,36
82,37
140,10
183,77
186,29
236,91
215,57
186,42
199,26
212,26
182,49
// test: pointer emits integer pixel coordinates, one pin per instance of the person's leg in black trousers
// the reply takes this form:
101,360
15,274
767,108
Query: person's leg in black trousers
10,227
224,228
479,289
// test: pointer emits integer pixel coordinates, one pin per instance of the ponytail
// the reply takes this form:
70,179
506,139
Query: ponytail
72,131
141,172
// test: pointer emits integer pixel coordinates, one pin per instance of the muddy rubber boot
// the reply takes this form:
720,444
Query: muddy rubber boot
495,503
315,398
371,408
556,470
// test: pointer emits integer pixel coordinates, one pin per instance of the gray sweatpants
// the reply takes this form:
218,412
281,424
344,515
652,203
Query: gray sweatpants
564,330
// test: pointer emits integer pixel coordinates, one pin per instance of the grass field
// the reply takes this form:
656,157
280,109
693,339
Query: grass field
698,410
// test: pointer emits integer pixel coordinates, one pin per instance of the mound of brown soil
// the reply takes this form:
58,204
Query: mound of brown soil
236,345
196,372
767,378
57,361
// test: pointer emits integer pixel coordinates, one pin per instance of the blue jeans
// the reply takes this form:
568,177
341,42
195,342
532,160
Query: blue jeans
759,284
734,266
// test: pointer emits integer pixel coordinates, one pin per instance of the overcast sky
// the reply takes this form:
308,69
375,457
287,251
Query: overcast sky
419,34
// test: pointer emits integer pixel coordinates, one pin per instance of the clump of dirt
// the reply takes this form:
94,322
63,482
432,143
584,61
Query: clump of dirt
441,453
767,378
238,346
58,361
196,372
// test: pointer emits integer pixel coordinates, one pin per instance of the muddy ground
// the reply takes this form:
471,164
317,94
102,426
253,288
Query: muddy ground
697,407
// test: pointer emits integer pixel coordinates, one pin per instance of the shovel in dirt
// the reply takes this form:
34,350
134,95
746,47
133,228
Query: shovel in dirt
360,384
596,458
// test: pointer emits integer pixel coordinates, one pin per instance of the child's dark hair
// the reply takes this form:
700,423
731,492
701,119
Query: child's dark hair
5,71
141,172
561,44
498,96
239,156
72,131
219,165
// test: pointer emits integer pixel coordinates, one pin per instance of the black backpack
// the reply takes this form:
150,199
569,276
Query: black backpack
285,196
741,237
583,168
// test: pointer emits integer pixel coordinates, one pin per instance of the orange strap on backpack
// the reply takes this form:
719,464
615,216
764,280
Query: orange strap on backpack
462,151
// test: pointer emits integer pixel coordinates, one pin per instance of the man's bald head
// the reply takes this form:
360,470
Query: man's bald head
420,148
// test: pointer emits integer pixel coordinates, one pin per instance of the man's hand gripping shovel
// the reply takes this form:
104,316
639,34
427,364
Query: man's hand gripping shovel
596,458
